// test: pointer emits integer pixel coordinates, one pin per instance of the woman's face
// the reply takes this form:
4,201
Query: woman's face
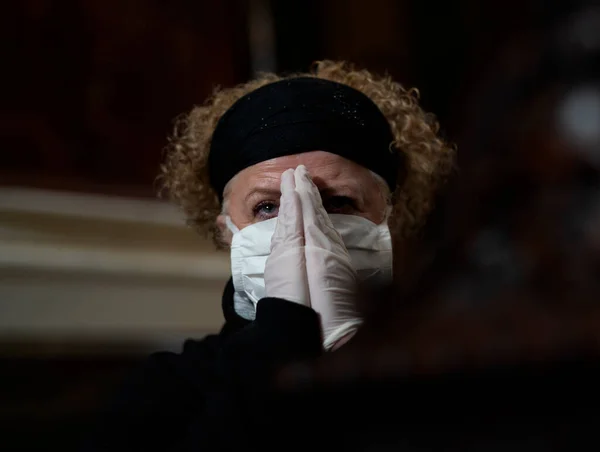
346,188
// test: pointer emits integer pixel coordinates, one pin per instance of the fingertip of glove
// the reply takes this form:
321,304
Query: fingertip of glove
287,179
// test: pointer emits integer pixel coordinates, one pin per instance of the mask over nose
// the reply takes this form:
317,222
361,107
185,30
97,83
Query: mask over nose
369,246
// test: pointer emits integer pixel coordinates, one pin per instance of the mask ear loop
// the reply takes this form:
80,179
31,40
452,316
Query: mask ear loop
387,214
232,227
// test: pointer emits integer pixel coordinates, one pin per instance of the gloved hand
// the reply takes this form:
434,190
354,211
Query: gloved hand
309,263
285,269
332,280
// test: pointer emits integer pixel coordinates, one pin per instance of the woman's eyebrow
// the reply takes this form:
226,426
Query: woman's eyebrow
348,189
344,188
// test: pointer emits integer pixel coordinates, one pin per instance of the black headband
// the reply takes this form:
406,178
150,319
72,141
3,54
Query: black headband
300,115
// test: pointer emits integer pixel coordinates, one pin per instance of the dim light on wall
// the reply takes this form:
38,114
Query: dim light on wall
103,268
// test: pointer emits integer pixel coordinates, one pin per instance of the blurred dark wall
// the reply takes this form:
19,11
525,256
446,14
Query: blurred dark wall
92,86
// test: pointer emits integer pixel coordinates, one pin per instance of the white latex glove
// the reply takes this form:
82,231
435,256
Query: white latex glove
332,280
309,263
285,270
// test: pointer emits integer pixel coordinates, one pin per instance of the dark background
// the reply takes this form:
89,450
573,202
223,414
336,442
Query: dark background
90,89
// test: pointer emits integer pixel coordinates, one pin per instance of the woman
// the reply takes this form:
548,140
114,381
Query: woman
338,154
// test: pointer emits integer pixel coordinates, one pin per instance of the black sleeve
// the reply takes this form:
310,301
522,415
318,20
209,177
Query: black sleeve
283,332
184,401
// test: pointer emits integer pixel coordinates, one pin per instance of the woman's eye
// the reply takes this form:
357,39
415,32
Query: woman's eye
266,209
339,204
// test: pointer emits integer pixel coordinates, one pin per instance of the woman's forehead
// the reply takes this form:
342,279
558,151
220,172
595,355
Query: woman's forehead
330,173
324,167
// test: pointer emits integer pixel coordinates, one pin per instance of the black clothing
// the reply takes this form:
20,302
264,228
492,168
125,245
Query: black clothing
193,400
215,396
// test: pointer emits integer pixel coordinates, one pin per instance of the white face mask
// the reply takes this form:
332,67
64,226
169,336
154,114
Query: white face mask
369,246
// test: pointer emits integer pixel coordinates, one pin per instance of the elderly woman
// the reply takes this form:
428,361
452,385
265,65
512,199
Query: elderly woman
298,177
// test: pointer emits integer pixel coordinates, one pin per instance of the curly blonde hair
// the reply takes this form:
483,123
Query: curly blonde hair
427,159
